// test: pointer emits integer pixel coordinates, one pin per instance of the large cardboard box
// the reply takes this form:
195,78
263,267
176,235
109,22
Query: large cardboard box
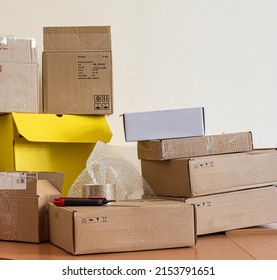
234,210
164,124
19,75
196,176
195,146
77,70
24,198
122,226
46,142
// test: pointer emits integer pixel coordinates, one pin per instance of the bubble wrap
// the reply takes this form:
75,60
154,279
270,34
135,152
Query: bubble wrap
118,165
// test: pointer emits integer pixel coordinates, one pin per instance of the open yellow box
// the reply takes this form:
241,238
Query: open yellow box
47,142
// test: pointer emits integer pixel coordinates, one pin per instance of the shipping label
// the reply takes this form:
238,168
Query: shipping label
13,181
90,69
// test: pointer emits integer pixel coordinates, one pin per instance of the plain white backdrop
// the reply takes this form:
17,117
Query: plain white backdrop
219,54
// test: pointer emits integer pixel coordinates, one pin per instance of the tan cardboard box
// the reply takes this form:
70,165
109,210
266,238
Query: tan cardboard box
77,70
191,177
24,198
19,76
195,146
234,210
122,226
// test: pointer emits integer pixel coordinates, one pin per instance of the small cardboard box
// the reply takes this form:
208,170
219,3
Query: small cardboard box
122,226
195,146
164,124
46,142
190,177
234,210
77,70
19,75
24,198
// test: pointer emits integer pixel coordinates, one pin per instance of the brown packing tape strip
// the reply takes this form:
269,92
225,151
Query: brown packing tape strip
106,190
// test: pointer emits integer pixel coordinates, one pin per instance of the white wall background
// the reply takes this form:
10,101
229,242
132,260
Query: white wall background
219,54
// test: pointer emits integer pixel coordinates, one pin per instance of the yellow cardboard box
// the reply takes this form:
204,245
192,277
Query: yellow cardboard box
47,142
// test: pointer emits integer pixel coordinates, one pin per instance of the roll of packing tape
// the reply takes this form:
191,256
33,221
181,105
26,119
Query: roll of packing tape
106,190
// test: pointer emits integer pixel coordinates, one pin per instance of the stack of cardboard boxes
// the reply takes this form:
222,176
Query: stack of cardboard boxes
57,128
54,130
202,184
44,147
129,225
230,184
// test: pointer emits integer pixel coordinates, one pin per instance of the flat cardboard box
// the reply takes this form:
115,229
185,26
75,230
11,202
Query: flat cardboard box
77,70
195,146
24,198
19,75
47,142
164,124
234,210
197,176
122,226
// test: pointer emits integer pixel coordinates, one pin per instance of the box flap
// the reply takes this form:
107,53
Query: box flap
91,38
63,129
46,189
54,178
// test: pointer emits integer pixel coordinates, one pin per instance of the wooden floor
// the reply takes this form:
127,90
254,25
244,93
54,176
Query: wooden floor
247,244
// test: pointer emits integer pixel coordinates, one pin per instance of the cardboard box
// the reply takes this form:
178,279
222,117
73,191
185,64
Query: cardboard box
46,142
191,177
164,124
195,146
234,210
19,75
77,70
24,198
122,226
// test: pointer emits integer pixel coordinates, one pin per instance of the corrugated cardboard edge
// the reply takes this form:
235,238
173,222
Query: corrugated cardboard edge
60,234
